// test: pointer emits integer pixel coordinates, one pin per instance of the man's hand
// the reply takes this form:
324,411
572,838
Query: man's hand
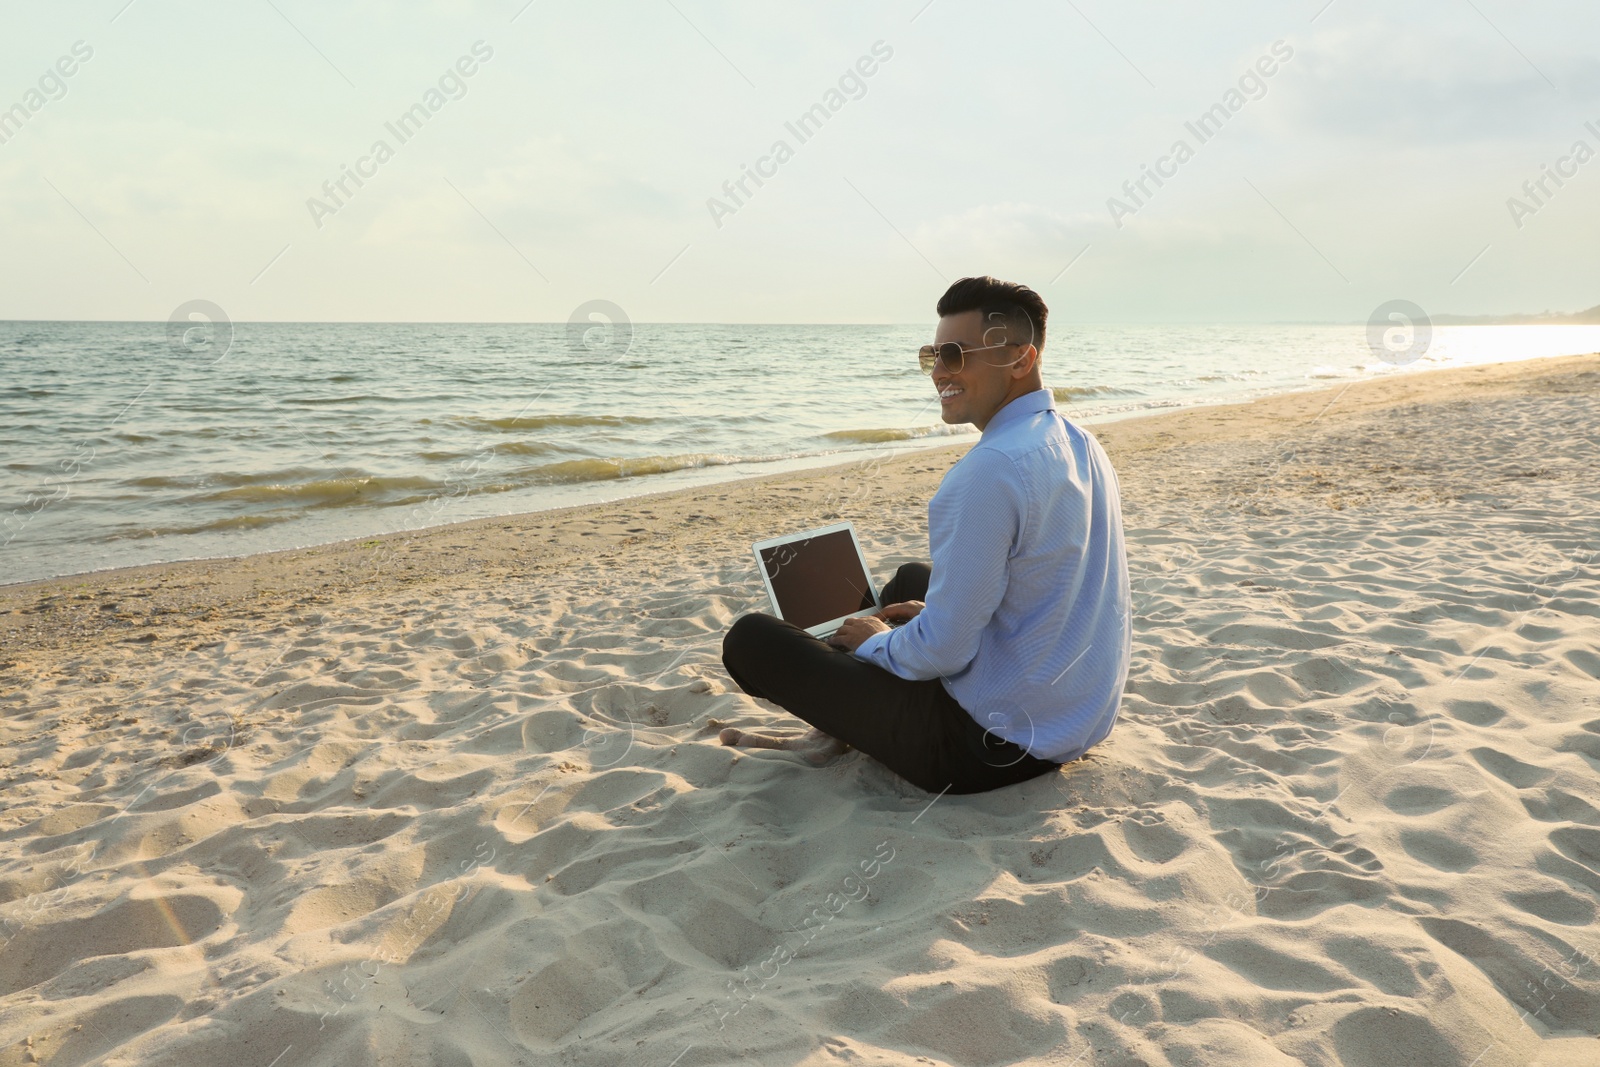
904,611
854,631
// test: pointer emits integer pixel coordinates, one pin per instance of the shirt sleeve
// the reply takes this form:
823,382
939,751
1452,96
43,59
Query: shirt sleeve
975,524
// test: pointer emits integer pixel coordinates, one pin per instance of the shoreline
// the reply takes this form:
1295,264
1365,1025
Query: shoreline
686,479
586,533
158,506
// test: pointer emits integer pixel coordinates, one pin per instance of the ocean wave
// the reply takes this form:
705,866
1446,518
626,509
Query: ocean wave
161,481
282,492
1148,405
895,433
525,423
229,522
1229,376
219,480
320,492
1073,394
354,398
596,470
487,453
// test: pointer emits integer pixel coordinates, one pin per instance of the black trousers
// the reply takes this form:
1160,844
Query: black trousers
916,729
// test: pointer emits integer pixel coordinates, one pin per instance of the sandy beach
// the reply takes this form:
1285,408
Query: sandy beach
456,797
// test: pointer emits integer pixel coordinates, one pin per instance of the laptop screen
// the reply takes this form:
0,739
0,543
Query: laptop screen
817,579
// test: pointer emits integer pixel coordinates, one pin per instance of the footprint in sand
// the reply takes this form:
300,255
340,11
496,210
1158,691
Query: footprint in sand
1419,799
1509,769
1441,851
1555,905
43,950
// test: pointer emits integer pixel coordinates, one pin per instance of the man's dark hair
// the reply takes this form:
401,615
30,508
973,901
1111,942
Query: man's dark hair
1019,309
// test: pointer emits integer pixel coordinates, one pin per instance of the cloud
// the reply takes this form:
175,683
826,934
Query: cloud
1447,82
1006,231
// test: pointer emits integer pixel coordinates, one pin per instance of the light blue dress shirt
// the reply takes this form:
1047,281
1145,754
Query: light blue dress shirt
1027,619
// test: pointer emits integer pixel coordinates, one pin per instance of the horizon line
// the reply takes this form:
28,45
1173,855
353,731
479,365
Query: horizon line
1480,320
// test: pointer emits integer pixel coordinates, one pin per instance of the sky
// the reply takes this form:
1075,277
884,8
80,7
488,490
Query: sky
1358,152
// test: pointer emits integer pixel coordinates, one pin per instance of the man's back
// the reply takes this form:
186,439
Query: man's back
1053,683
1027,622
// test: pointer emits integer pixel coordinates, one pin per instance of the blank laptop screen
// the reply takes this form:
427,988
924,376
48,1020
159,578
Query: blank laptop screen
818,579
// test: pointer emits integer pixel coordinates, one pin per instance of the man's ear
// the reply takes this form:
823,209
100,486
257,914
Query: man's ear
1023,366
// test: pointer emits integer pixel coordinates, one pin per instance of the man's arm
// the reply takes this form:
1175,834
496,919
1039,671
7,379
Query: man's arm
975,521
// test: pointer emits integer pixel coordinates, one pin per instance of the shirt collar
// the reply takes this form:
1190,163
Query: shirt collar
1021,407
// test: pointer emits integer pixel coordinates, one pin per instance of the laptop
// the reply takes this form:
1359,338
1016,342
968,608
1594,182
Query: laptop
818,578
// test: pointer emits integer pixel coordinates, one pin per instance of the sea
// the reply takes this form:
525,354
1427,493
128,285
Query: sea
125,443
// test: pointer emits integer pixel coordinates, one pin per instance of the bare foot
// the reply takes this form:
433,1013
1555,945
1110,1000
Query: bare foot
814,745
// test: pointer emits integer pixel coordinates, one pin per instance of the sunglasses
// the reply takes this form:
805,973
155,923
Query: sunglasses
951,354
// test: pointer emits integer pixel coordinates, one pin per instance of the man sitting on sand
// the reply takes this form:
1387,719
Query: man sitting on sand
1008,655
